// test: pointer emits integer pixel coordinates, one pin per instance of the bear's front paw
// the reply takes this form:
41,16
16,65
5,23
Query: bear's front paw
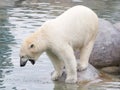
56,75
71,80
81,67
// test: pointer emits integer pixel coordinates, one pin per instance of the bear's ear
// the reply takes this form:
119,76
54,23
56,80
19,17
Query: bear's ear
32,46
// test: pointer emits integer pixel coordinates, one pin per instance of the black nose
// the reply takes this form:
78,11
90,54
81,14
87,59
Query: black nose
32,61
22,64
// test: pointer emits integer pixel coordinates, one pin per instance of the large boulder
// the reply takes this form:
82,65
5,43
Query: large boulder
106,51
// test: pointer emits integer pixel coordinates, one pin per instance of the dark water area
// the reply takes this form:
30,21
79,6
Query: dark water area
18,18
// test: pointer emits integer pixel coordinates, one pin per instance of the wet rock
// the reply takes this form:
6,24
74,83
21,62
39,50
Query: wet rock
106,51
90,74
111,70
117,26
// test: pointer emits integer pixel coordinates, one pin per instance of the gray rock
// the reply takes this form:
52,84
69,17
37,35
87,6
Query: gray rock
115,70
106,51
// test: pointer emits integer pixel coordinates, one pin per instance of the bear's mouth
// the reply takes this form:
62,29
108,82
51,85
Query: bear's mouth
32,61
23,63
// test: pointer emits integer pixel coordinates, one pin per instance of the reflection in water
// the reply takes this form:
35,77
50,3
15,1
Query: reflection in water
63,86
6,39
22,18
98,86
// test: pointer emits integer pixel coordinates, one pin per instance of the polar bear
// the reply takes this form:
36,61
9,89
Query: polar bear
75,29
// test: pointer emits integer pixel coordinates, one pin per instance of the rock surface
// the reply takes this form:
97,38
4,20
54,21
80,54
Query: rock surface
115,70
90,74
106,51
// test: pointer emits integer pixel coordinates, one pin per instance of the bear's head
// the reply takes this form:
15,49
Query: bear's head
31,49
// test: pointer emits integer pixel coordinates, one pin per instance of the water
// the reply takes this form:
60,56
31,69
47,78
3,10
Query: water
20,18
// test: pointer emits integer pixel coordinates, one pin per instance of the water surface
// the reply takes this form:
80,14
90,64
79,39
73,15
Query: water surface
22,17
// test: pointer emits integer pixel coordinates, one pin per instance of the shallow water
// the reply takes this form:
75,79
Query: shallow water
20,18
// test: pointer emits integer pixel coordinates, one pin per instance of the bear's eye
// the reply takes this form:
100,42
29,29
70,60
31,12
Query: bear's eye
32,45
22,56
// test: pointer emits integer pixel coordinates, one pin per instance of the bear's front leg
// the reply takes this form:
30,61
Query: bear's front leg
56,75
66,54
58,65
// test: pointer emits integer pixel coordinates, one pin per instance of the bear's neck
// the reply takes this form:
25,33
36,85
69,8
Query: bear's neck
42,40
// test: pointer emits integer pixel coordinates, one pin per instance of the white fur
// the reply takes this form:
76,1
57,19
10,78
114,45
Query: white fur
74,29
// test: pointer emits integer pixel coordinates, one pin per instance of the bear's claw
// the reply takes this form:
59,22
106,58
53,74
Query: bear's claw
82,67
71,80
56,75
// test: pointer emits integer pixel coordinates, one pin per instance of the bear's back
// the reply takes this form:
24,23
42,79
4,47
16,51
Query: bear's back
77,25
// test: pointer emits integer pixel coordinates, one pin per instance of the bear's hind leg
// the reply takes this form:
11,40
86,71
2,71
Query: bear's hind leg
84,56
58,65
